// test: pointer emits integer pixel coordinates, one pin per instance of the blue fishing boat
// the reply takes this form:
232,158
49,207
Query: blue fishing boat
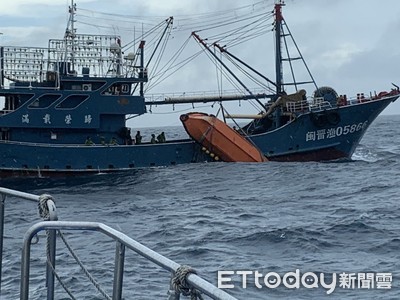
66,108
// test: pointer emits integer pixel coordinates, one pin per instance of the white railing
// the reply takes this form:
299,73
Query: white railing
189,280
297,106
320,104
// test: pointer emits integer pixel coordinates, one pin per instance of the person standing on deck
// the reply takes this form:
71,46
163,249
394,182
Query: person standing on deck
113,141
153,138
138,138
161,138
89,141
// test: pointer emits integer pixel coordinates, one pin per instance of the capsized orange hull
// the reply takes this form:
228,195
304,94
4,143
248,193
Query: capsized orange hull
220,139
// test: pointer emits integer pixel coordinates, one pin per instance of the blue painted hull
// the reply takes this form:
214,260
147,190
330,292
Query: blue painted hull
41,159
299,140
302,140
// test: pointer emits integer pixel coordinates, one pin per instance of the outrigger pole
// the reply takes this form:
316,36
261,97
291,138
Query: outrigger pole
142,69
278,48
169,22
278,58
196,36
223,50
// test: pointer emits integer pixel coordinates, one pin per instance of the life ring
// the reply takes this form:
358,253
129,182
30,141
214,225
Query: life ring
333,118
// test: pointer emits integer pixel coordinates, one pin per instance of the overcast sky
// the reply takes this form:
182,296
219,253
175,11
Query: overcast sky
350,45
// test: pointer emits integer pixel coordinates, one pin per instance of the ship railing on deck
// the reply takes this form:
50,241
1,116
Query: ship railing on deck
191,281
13,87
320,104
360,98
297,106
5,111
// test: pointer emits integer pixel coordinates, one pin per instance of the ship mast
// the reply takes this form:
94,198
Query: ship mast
70,33
278,46
73,10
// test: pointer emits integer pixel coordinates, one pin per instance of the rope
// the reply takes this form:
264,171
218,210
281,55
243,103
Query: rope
88,275
182,286
43,207
66,289
45,215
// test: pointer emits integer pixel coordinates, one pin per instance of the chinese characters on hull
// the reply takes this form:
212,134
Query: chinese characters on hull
330,133
87,119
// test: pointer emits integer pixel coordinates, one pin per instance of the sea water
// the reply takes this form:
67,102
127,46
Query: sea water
313,219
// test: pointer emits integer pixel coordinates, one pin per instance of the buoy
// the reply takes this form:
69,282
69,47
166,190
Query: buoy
216,158
212,154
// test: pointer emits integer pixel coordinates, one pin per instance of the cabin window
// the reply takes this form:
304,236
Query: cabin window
11,103
44,101
72,101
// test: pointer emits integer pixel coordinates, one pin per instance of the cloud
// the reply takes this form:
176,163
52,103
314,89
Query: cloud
350,45
19,7
30,8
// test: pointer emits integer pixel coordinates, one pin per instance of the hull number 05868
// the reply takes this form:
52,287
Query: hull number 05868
331,133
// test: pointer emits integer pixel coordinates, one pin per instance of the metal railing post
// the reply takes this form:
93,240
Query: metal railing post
52,225
25,268
51,260
52,236
118,270
3,199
